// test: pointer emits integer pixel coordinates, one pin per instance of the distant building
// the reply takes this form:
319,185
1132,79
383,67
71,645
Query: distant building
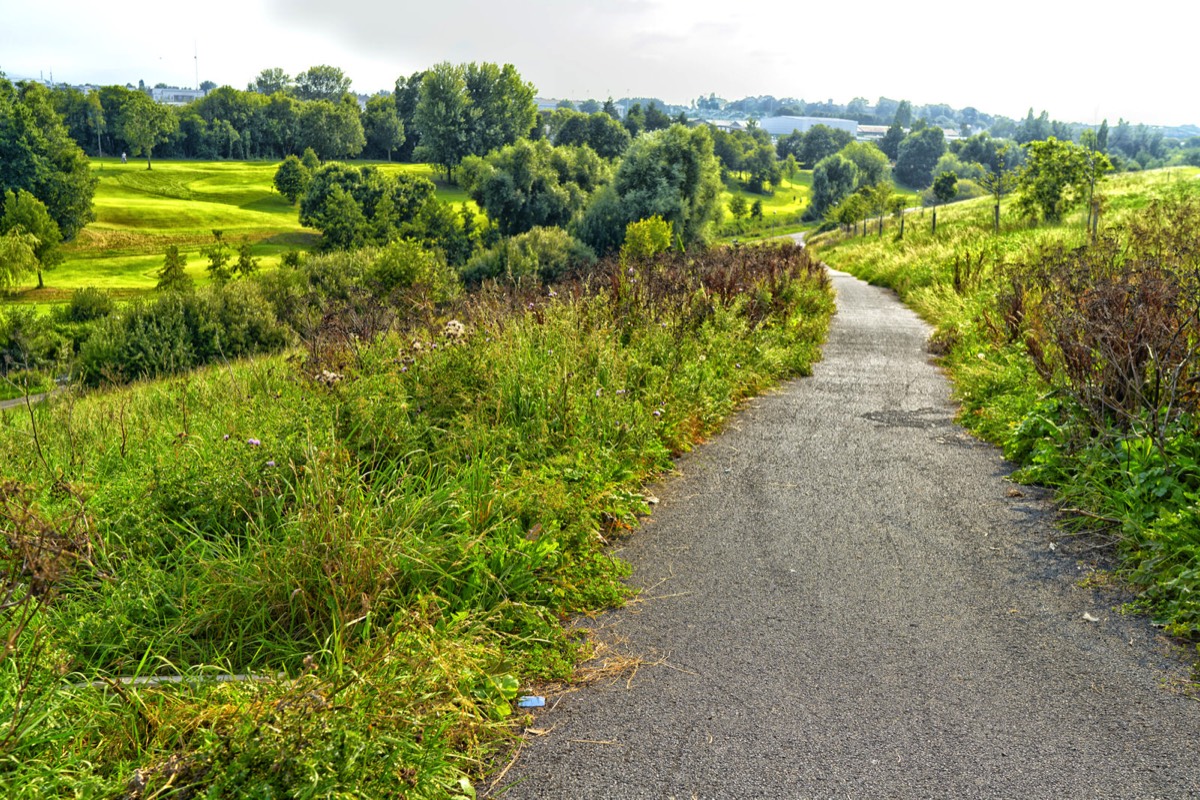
871,133
174,96
784,126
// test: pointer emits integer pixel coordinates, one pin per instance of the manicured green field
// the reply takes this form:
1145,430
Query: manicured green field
140,212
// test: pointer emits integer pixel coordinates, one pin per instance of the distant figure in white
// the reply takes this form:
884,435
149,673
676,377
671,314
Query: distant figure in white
123,161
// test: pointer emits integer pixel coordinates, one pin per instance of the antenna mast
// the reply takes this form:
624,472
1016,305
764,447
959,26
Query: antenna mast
196,60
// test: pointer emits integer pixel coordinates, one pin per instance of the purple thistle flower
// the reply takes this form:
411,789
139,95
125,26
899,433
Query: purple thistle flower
270,463
253,442
226,439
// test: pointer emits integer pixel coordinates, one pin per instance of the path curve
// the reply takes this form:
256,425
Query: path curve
853,601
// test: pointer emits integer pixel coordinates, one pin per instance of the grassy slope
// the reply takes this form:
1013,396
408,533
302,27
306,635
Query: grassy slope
140,212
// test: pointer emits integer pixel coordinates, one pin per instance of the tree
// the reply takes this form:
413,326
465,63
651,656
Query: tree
904,114
879,197
407,94
871,162
737,206
919,154
501,108
37,154
25,214
270,81
441,117
763,167
218,258
1057,175
533,184
382,125
333,130
673,174
173,277
291,179
756,210
322,82
145,124
1096,164
834,178
821,141
17,258
890,143
945,186
998,180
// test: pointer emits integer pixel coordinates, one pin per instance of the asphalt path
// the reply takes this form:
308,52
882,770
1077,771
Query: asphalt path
845,597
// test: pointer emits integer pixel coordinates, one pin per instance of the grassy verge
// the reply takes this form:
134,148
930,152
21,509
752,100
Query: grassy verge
342,567
1063,352
140,212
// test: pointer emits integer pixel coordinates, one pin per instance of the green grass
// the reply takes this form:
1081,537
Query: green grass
140,212
397,526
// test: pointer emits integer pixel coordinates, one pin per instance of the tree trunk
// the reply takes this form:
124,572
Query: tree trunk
40,284
934,220
996,214
901,225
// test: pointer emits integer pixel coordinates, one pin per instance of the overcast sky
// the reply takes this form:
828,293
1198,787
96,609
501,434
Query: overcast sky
1078,61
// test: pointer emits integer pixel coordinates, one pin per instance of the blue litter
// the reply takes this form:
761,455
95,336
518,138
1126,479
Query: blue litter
531,701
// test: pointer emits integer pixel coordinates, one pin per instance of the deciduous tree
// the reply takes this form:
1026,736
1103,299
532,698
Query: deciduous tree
145,124
25,214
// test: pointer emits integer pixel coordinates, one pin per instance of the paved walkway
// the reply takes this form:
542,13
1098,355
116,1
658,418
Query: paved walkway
852,601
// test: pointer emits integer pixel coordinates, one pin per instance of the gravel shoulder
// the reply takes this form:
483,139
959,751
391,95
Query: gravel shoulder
846,597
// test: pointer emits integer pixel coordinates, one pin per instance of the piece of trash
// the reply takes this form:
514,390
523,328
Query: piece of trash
1053,546
1089,618
651,499
531,701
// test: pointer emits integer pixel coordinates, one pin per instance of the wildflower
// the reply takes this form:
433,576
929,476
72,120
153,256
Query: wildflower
226,439
553,293
270,463
620,391
658,412
404,369
454,330
253,442
599,392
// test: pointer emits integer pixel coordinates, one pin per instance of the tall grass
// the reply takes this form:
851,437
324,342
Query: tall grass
333,571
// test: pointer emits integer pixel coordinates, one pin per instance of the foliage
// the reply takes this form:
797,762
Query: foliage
354,205
870,161
645,239
380,539
1056,177
471,109
332,129
291,179
672,174
173,276
38,156
144,124
382,125
539,254
534,184
918,156
25,214
597,130
835,177
322,82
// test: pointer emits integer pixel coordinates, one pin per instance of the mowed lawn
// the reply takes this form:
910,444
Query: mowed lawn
140,212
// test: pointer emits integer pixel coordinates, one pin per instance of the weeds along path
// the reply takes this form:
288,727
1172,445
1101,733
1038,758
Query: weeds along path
845,597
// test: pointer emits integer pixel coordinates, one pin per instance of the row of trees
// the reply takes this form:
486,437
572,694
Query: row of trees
46,185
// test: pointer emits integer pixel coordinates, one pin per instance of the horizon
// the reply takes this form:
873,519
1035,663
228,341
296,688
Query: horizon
667,49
